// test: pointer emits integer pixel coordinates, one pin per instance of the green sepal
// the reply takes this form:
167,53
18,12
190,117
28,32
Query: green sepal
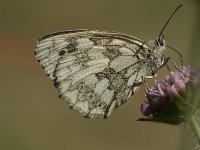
173,120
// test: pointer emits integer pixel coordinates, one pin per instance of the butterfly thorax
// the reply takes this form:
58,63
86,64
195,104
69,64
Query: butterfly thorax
155,58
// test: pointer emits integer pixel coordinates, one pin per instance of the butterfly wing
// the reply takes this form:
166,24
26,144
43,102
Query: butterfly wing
95,71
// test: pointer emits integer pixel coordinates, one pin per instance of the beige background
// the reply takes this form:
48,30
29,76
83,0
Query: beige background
32,117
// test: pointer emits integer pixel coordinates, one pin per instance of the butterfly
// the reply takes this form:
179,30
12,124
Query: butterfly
97,71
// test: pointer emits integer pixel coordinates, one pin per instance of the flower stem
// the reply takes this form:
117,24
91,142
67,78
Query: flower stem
195,127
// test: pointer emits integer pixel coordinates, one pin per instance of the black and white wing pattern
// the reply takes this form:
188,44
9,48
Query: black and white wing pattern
95,71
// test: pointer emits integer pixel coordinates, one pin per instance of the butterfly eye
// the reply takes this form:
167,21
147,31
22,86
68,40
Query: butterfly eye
161,41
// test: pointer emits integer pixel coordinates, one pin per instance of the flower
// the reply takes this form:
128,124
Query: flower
174,98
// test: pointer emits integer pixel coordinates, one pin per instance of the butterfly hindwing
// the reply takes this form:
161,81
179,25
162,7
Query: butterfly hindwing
94,71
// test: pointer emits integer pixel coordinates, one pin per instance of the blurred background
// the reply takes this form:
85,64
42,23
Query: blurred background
32,117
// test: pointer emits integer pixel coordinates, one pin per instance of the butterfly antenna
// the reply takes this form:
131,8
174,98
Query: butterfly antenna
177,8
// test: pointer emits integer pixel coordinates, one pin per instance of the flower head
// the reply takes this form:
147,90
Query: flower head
171,100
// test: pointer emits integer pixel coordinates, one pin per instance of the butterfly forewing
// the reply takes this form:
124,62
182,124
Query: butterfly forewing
95,71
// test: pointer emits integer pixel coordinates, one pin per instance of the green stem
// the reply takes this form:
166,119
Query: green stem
195,127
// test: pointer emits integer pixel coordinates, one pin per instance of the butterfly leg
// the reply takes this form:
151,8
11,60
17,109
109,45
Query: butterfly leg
166,63
168,68
146,87
171,60
180,55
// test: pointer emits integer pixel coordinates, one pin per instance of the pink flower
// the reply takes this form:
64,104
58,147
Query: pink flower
168,98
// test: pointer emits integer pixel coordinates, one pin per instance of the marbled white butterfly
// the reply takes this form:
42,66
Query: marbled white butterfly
97,71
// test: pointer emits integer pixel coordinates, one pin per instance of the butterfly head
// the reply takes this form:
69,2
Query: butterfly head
158,44
160,41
